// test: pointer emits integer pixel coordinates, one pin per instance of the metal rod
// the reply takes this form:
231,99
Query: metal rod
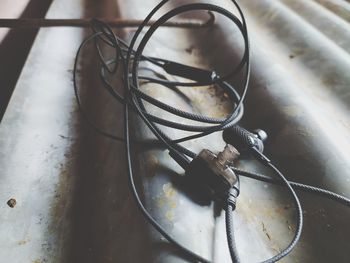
116,23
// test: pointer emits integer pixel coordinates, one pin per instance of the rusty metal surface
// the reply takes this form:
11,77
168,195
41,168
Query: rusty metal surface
73,203
72,199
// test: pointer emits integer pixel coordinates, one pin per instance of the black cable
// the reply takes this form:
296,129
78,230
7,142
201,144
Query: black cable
134,102
230,234
298,186
299,225
149,218
303,187
107,36
230,208
77,97
176,149
140,109
190,7
127,59
235,97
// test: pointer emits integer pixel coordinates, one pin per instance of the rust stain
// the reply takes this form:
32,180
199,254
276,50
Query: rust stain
37,261
12,202
190,49
296,53
61,201
152,164
218,94
168,200
160,202
265,231
290,227
172,204
169,191
287,207
169,215
211,101
22,242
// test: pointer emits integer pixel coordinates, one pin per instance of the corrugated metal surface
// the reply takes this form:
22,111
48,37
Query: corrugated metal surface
73,203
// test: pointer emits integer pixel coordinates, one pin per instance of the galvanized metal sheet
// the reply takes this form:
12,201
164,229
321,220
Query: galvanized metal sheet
73,202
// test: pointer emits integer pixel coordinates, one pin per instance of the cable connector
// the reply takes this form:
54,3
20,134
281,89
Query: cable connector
188,72
211,174
232,196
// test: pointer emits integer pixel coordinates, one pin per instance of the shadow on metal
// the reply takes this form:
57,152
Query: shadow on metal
14,49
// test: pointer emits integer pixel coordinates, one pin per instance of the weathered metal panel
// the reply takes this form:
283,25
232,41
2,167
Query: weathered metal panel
73,203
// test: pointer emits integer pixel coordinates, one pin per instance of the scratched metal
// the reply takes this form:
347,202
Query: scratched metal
73,203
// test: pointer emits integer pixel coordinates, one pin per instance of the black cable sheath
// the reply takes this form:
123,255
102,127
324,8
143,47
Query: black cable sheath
149,218
298,186
128,57
299,225
163,19
230,234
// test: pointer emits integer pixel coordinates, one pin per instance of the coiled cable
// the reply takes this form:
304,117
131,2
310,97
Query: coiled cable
127,59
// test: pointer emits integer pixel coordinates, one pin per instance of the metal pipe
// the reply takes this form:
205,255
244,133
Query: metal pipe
116,23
